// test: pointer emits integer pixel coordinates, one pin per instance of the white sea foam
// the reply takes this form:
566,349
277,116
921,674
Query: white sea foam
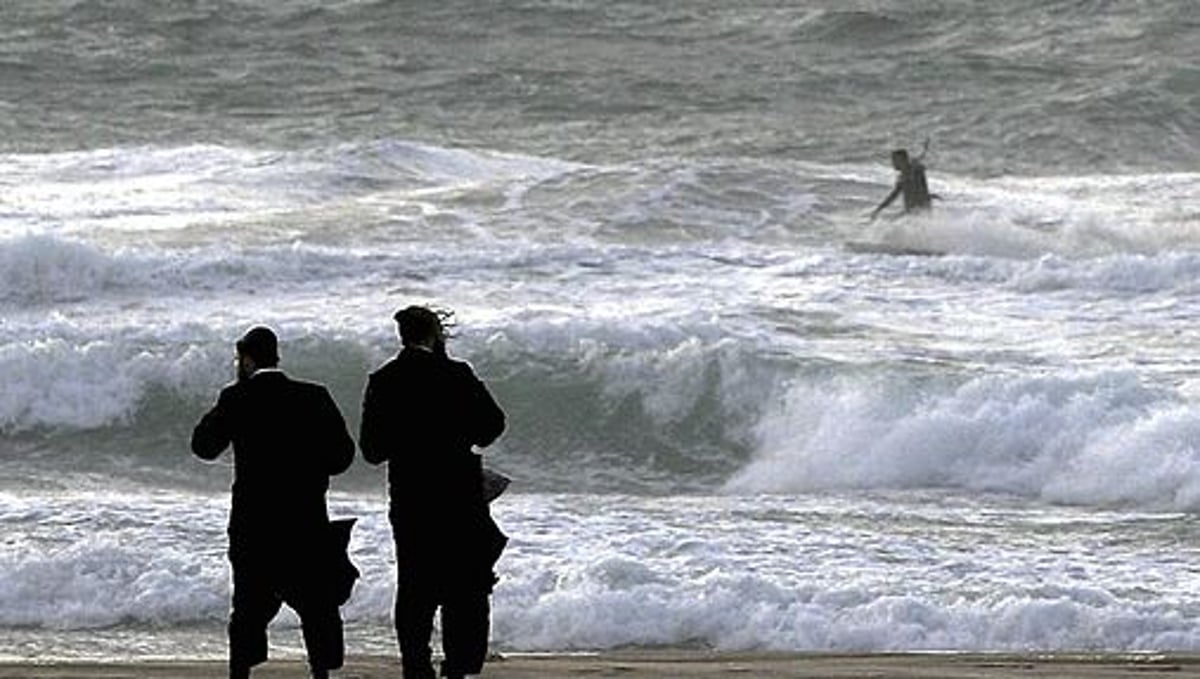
1099,437
120,193
1093,439
740,613
590,572
1125,274
1074,217
88,382
745,573
85,561
88,560
43,269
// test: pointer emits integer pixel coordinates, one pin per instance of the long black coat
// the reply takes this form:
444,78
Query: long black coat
422,413
288,438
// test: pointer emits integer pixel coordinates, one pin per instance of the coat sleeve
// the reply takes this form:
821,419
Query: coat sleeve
214,432
487,420
338,446
372,433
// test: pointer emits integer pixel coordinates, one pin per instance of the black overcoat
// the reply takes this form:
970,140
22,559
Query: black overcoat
288,438
422,414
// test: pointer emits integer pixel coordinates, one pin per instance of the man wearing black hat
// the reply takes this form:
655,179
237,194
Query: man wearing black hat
288,438
422,413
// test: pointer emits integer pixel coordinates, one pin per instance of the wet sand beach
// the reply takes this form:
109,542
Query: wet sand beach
666,664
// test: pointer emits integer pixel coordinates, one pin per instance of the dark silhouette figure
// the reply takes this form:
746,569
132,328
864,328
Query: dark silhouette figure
422,413
910,182
288,438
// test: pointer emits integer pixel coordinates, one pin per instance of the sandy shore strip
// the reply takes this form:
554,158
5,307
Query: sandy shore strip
668,664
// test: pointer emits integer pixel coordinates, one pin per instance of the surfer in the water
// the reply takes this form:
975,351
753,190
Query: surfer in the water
910,181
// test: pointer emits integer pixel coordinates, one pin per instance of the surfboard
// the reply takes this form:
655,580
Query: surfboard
865,247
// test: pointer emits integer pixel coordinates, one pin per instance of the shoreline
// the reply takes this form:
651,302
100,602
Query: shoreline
664,664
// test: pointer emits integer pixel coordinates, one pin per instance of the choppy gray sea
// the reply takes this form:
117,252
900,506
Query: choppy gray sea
727,427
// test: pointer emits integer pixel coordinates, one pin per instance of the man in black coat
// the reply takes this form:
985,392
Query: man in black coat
288,438
422,413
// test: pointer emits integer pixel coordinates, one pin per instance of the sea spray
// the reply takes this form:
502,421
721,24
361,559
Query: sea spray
1101,439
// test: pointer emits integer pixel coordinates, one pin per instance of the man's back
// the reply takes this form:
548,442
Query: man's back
422,415
915,187
423,411
288,439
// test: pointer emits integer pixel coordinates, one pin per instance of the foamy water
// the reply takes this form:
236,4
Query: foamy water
927,571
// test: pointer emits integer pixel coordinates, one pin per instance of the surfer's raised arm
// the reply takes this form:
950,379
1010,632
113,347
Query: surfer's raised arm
924,150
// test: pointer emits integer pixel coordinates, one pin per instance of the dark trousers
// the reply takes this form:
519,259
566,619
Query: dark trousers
260,587
466,619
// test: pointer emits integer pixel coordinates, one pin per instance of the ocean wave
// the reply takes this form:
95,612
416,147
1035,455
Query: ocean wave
1073,217
388,193
557,82
111,568
1101,440
634,409
1125,274
656,416
587,573
47,270
204,194
95,560
750,612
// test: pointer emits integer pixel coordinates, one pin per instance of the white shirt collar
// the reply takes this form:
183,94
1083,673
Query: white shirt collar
261,371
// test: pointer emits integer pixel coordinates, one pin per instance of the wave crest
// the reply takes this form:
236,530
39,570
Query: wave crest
42,269
1104,439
